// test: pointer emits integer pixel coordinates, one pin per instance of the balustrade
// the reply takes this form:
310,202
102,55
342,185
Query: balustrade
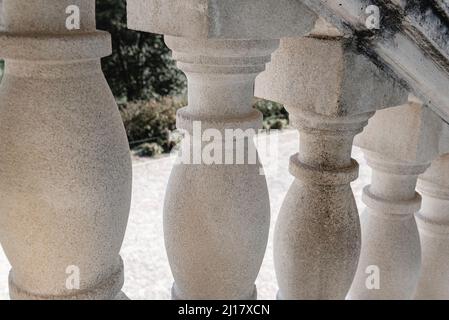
65,168
390,261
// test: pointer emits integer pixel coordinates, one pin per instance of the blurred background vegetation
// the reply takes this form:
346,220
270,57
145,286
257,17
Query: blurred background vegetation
140,67
148,87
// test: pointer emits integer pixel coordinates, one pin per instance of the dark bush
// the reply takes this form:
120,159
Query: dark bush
149,150
150,124
274,114
140,67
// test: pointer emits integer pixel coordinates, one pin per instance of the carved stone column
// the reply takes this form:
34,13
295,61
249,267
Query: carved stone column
390,258
433,224
317,236
216,214
324,83
65,169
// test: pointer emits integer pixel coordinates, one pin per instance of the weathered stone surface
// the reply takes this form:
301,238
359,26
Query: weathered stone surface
330,90
409,132
216,216
390,239
433,224
217,19
229,203
329,77
317,236
65,176
399,144
65,169
412,41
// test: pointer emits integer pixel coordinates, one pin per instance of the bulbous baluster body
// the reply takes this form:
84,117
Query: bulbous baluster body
65,167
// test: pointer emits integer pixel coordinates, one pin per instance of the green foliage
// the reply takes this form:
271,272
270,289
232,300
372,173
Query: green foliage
149,125
140,67
149,150
274,114
2,68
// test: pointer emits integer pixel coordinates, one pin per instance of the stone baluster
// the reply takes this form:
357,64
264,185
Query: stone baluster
433,225
329,90
317,236
65,169
217,213
390,258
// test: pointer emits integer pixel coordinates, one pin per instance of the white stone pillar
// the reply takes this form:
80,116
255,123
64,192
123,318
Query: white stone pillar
399,143
65,170
217,215
390,258
317,236
433,224
328,89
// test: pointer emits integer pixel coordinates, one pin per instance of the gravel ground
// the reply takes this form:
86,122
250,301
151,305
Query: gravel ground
147,273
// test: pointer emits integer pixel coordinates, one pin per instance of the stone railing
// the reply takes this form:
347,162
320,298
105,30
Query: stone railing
65,170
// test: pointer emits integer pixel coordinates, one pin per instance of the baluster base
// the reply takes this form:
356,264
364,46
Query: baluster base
108,289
